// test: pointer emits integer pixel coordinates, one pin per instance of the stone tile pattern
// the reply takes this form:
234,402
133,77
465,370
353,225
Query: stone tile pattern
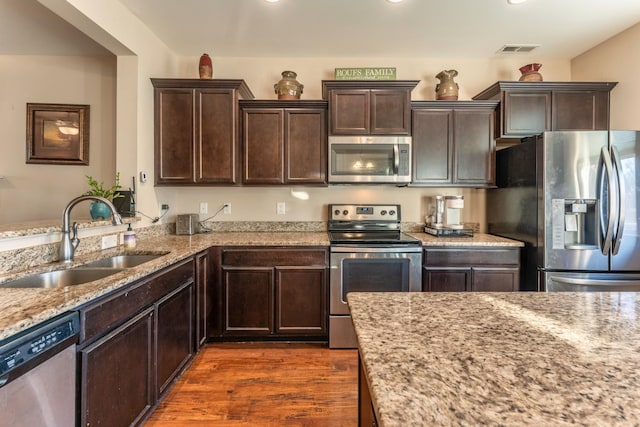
22,308
509,359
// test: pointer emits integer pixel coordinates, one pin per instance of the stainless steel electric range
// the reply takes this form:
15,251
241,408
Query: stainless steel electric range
369,253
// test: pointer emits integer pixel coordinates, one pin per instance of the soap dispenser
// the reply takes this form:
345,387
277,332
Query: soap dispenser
129,238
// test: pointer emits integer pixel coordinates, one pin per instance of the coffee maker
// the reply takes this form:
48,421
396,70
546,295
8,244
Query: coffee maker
446,217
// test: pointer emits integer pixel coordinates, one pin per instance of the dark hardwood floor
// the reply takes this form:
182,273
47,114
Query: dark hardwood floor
264,384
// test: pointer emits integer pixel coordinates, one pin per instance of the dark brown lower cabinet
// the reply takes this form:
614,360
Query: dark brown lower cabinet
133,344
174,336
494,269
366,413
117,374
274,292
203,301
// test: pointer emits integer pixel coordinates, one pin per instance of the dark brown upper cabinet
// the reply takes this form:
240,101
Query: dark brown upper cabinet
529,108
196,131
284,142
369,107
453,143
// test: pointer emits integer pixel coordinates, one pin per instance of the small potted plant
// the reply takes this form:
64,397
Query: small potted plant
99,210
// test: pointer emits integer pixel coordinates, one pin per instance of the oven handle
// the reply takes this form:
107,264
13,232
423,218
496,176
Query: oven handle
377,249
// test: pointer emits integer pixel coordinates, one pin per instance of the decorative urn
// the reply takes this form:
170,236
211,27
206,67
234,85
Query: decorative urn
288,87
447,89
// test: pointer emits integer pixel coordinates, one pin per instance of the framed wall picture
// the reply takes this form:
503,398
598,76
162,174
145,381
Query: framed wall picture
58,134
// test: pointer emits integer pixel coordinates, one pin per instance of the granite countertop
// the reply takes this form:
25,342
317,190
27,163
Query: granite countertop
500,358
478,239
23,308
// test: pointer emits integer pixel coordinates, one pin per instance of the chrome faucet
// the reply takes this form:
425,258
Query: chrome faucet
69,242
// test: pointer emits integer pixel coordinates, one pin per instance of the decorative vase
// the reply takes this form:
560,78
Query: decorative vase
447,89
530,73
99,211
205,67
288,87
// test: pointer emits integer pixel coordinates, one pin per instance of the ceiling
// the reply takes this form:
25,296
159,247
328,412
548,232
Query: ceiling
338,28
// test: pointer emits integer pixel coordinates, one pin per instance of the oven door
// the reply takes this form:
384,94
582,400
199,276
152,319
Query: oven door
372,269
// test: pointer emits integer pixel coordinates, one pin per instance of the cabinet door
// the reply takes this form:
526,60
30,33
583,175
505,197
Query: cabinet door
248,297
495,279
174,135
301,300
216,136
263,143
203,298
116,375
390,112
526,113
174,335
432,146
366,413
475,147
305,146
446,279
580,110
350,112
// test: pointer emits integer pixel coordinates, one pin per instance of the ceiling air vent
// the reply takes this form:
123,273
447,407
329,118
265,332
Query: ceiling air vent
517,48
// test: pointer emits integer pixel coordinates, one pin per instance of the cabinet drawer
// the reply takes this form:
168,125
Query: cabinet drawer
271,257
108,312
471,257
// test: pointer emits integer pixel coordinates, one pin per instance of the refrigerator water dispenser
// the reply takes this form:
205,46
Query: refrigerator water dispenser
580,224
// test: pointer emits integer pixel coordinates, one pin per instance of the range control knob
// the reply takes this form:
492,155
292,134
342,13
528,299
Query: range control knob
336,212
345,212
392,212
383,212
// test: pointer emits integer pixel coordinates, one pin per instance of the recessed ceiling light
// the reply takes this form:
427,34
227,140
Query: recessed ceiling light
273,1
394,1
516,1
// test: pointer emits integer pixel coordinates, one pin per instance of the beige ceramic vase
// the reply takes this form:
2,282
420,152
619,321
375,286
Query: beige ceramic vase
288,87
447,89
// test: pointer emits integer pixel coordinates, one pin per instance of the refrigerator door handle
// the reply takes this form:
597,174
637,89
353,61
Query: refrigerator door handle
606,229
617,166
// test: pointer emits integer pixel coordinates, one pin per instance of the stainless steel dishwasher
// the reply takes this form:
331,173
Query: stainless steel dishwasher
38,375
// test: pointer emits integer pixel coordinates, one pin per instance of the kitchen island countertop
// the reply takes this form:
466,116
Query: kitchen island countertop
500,358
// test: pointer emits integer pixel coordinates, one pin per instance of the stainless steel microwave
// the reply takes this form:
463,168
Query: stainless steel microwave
369,159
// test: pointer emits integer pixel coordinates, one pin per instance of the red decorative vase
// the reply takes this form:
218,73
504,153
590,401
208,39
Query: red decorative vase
530,73
206,67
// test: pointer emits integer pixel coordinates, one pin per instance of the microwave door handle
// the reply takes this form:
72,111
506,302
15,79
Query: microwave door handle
396,159
617,167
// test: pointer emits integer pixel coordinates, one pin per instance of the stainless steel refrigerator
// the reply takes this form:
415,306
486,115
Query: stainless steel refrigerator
572,197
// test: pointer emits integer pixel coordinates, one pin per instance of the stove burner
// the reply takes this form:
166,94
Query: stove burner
367,225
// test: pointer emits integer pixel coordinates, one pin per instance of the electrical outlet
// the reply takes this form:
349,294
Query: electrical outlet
281,208
227,208
204,207
109,241
162,208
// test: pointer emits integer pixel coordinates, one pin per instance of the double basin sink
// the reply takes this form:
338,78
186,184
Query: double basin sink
81,274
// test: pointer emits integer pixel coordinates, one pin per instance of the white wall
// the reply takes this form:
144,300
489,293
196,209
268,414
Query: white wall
618,60
33,191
